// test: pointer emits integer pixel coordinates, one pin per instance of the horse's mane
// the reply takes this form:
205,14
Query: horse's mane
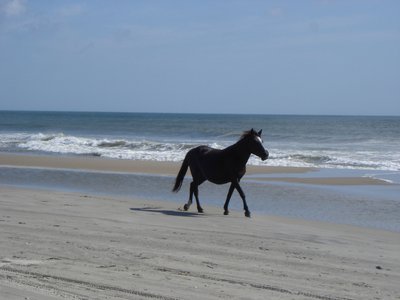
246,134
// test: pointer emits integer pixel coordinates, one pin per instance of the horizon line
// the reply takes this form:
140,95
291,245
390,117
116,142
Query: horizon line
199,113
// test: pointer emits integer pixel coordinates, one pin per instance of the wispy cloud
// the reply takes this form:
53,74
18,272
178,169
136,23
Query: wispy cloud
13,7
35,21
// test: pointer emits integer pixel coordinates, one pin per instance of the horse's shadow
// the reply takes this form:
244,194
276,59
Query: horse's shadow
168,212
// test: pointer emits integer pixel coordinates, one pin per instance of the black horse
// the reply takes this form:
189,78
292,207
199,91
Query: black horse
221,166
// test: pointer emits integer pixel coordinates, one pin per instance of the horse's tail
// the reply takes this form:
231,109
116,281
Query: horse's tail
181,175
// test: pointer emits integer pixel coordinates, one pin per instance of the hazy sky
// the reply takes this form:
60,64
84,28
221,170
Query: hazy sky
267,57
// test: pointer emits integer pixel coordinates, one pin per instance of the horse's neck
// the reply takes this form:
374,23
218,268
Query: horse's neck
240,151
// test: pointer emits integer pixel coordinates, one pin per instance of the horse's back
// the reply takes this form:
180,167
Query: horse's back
203,153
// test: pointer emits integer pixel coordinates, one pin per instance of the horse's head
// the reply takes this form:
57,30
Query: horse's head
255,143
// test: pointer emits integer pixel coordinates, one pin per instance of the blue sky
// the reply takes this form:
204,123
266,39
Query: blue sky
266,57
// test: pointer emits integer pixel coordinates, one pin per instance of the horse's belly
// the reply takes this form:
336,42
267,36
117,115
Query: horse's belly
218,180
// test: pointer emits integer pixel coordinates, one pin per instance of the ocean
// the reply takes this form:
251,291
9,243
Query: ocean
344,142
338,146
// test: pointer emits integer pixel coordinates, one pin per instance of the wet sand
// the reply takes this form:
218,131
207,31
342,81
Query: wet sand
168,168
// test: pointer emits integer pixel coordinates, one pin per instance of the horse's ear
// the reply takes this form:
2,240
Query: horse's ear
252,131
259,133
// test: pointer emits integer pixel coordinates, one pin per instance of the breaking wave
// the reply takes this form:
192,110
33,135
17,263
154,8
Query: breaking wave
170,150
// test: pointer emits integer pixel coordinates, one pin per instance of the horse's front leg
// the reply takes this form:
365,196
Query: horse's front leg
228,198
242,195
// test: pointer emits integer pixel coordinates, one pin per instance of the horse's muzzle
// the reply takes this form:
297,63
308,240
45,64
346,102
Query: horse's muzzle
265,156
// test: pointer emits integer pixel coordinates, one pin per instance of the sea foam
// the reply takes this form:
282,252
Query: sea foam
171,150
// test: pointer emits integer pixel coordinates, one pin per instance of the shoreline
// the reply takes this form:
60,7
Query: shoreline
335,196
119,165
60,245
88,163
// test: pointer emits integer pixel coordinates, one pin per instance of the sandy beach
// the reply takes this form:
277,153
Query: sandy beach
59,245
64,245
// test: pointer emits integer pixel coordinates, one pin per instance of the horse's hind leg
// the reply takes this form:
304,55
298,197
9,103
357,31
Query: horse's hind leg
194,189
191,191
196,195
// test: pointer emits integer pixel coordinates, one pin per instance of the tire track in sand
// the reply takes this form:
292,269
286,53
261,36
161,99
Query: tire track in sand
178,272
87,284
254,285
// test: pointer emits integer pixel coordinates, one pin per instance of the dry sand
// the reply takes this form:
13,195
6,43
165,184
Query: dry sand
57,245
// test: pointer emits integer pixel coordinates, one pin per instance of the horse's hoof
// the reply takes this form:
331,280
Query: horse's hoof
226,212
200,210
185,207
247,214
